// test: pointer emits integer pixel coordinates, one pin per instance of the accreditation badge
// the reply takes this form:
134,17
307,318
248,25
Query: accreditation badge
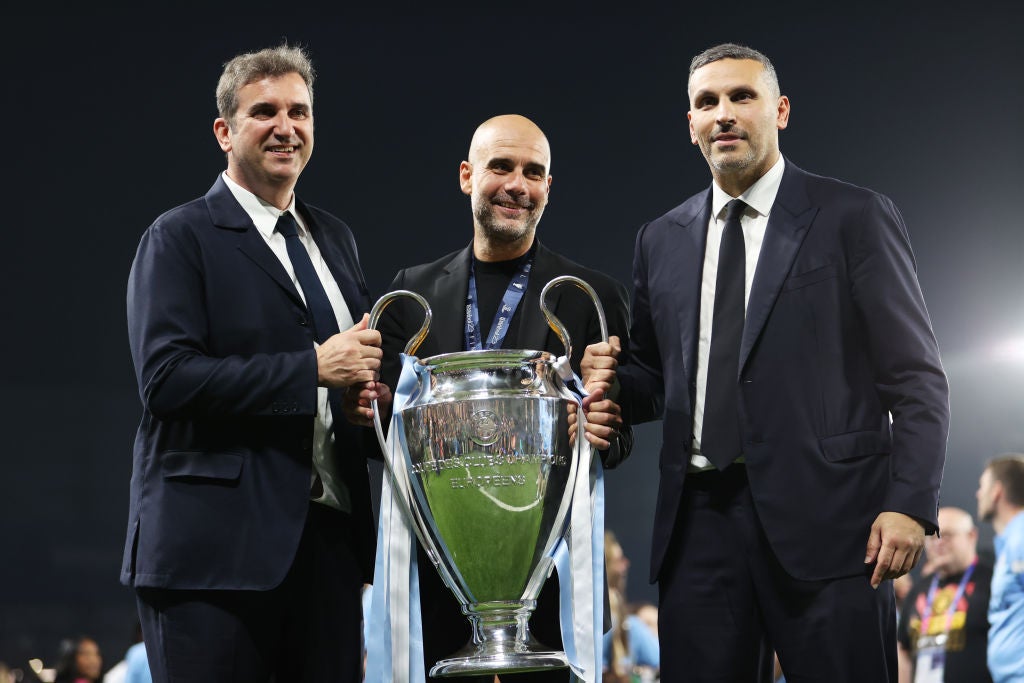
931,659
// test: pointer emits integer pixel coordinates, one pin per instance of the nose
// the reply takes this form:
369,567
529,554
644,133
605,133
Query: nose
515,183
724,113
283,125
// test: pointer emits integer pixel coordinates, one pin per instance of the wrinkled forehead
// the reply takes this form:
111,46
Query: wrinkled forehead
726,75
520,147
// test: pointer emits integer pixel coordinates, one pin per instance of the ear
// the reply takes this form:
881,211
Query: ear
693,133
222,132
782,114
466,177
548,188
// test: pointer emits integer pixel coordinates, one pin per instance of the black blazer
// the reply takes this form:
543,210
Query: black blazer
836,338
227,375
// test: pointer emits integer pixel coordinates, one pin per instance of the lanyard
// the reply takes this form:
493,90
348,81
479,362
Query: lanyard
926,617
509,303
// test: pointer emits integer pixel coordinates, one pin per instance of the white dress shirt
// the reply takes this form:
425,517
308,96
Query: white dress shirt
759,198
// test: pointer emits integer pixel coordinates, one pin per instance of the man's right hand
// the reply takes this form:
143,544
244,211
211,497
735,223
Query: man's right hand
599,363
349,357
358,402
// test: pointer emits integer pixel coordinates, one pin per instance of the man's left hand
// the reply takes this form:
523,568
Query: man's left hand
895,545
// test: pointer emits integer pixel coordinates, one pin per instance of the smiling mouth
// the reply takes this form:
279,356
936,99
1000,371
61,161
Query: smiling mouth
283,149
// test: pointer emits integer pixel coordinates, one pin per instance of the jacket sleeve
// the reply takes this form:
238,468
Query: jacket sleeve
178,373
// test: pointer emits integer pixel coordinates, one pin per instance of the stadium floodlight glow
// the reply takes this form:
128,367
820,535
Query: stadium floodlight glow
1010,350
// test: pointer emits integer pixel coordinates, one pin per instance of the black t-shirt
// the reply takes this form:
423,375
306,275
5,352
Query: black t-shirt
968,634
492,279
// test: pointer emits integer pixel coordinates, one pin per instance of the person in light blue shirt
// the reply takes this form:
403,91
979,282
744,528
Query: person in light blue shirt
1001,501
137,665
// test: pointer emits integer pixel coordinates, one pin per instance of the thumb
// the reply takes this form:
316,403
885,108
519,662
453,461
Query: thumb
874,544
616,344
362,324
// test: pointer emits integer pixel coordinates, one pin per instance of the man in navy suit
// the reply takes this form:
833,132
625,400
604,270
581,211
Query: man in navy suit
250,532
803,442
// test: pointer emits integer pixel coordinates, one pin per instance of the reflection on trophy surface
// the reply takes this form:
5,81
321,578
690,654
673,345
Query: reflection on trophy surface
486,473
489,462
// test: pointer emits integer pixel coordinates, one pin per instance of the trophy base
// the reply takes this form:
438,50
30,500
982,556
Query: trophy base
518,662
501,643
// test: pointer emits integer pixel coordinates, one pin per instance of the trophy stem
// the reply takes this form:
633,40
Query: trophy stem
502,643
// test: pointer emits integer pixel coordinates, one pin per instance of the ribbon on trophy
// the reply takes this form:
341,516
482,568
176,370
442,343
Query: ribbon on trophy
395,653
579,555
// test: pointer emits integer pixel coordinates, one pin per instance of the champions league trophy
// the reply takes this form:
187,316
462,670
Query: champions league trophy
485,474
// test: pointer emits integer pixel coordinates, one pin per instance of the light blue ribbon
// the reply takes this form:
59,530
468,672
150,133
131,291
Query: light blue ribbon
395,646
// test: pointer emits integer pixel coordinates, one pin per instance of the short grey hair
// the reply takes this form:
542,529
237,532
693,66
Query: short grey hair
270,62
734,51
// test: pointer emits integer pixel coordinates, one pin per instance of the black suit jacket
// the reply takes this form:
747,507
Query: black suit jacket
444,283
836,339
227,373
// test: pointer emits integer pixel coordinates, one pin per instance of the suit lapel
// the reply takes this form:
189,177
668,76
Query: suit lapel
533,326
448,329
226,213
342,265
687,256
791,216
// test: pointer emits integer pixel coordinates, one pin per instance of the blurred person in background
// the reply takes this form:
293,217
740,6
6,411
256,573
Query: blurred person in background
1001,502
630,647
943,628
79,661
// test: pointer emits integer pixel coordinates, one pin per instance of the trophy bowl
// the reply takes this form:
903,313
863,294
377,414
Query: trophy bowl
489,463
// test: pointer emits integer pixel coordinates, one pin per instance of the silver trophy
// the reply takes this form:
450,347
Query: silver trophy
486,483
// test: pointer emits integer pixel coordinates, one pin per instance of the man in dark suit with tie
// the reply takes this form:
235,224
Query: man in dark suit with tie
507,176
780,333
250,532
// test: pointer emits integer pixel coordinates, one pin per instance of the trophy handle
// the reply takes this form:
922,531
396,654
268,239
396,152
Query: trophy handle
410,348
556,324
387,300
400,484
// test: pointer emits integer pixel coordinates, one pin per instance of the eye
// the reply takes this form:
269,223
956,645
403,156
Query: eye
534,173
705,102
299,113
261,114
742,96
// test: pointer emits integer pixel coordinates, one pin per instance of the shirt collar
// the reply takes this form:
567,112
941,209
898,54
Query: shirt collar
760,196
263,214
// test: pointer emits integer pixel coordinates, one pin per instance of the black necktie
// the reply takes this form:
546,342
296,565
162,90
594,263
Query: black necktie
720,439
325,323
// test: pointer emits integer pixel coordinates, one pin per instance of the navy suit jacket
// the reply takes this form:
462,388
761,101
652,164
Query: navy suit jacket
227,373
837,338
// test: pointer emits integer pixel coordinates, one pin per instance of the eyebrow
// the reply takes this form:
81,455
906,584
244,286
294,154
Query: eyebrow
528,166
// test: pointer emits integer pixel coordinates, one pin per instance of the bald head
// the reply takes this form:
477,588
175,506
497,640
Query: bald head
955,520
507,177
955,547
509,128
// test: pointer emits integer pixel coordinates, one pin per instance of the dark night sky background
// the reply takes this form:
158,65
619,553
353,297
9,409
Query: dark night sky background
109,123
